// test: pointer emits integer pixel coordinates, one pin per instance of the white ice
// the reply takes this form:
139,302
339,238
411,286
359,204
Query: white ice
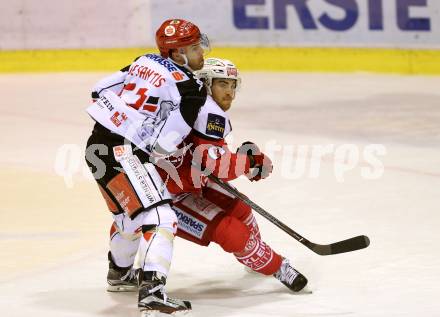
53,236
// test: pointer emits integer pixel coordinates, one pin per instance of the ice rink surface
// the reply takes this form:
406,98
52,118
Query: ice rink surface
53,236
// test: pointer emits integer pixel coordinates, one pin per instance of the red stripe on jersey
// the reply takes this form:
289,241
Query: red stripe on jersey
130,86
150,108
147,235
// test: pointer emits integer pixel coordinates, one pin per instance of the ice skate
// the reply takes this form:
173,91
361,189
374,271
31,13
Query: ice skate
290,277
153,300
120,279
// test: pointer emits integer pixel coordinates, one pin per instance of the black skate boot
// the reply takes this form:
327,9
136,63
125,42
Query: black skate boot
153,299
290,277
120,279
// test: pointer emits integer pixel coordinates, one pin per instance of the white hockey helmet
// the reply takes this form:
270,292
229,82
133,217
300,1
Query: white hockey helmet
218,68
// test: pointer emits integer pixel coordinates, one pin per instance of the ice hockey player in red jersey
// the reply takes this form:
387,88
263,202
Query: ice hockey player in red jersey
142,113
206,213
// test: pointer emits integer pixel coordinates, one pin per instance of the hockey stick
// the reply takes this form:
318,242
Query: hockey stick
352,244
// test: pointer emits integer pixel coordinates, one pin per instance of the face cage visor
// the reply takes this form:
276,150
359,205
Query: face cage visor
204,44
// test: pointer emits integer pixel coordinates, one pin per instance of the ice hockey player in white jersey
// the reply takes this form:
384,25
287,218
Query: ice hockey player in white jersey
161,90
206,213
142,112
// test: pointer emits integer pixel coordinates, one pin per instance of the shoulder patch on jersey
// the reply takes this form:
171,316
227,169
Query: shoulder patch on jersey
215,125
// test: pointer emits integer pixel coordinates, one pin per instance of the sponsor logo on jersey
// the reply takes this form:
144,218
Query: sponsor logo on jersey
104,101
161,61
215,125
122,152
119,151
189,224
118,118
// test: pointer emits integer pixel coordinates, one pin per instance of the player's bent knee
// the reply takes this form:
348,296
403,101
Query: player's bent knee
240,210
231,234
163,217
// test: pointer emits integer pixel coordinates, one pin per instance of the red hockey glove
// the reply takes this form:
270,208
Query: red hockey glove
258,160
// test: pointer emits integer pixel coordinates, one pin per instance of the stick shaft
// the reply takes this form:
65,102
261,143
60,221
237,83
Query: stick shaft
348,245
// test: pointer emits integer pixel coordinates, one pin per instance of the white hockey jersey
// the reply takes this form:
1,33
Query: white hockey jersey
206,148
212,122
154,103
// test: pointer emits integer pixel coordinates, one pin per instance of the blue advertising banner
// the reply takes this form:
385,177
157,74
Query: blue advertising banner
335,23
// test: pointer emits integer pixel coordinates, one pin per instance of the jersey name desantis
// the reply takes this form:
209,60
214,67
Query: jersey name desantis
215,125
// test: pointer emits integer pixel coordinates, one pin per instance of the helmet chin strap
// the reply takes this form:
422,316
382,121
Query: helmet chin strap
208,86
185,64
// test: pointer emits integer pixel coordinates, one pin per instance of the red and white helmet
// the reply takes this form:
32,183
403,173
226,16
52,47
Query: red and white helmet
176,33
218,68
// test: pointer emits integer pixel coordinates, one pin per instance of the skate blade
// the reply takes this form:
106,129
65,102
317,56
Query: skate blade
121,288
305,291
156,313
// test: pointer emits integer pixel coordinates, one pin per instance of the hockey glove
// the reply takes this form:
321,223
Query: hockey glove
258,160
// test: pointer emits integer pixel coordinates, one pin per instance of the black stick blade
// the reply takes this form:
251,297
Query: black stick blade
349,245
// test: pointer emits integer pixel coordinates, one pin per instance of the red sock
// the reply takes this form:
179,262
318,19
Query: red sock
259,257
